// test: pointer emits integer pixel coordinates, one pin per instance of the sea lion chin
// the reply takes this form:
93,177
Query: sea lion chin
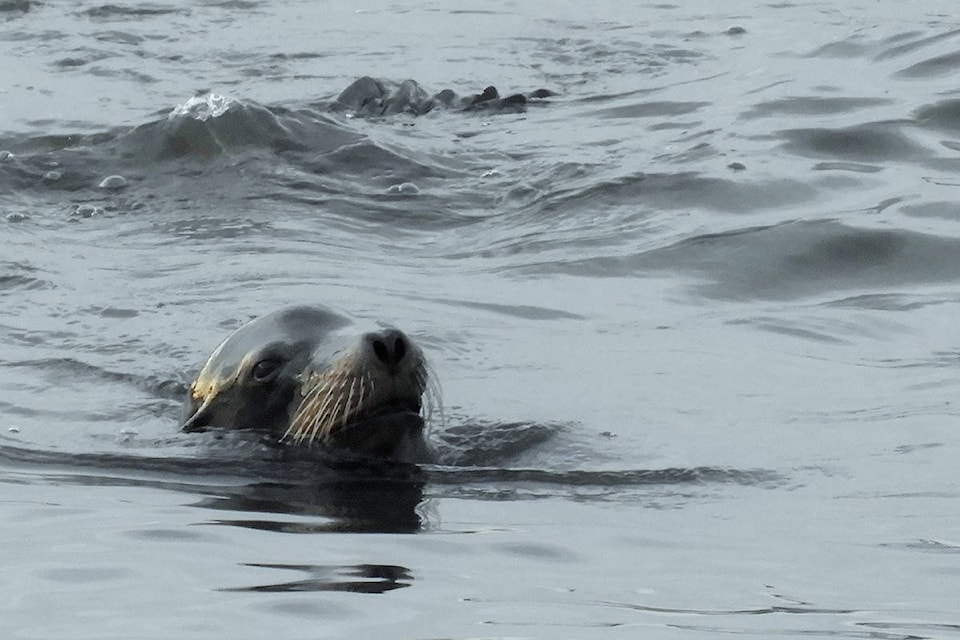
304,376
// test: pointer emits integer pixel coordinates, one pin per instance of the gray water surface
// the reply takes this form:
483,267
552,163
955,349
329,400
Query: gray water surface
693,315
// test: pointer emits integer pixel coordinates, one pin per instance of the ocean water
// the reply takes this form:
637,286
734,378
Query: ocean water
694,316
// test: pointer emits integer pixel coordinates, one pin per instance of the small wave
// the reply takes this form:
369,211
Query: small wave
943,115
653,109
20,276
811,106
21,6
209,126
939,65
790,260
605,479
677,191
61,368
112,11
874,142
251,457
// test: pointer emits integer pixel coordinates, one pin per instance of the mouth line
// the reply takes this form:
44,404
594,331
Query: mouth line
394,408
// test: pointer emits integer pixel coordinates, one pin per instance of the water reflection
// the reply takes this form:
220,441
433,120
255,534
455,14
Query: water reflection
361,578
283,489
355,505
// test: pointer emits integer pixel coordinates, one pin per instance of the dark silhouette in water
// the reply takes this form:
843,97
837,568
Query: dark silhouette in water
370,97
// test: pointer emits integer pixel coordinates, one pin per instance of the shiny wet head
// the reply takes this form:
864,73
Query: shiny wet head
303,375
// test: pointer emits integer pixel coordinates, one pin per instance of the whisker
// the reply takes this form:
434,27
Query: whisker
303,409
332,417
319,418
328,424
434,392
307,415
346,407
348,389
363,380
301,419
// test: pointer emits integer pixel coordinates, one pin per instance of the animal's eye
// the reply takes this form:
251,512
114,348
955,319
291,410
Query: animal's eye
266,370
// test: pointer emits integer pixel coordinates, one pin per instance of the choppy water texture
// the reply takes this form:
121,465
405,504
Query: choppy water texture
694,316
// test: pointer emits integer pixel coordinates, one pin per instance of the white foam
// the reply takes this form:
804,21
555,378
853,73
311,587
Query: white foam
204,107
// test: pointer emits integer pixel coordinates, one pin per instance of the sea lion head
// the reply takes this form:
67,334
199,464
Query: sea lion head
304,375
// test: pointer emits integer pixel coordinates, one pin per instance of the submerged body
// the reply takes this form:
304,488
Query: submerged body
369,97
303,375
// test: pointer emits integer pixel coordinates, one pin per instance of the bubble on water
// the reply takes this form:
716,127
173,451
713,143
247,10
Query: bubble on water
13,429
85,211
113,183
17,217
404,188
204,107
52,176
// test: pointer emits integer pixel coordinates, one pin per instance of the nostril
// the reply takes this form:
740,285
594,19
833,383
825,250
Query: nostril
399,349
389,347
380,350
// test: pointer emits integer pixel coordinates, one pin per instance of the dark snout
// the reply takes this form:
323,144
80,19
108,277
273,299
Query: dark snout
391,348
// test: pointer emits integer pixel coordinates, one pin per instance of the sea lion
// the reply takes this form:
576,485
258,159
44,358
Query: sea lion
303,375
368,97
